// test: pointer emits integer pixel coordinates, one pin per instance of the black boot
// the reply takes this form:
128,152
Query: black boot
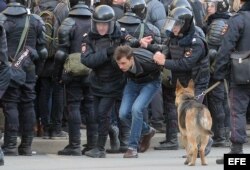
91,143
92,134
1,157
73,148
25,147
99,150
114,139
124,137
227,136
46,132
236,148
170,144
219,138
9,147
208,147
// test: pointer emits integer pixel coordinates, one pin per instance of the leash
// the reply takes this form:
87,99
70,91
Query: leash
208,90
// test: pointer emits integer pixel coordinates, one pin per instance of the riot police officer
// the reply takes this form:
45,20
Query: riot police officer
235,39
217,98
4,69
18,100
70,37
186,58
106,80
4,74
195,6
133,21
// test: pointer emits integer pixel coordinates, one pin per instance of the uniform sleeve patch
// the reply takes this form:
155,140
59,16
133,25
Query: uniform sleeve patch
224,30
188,52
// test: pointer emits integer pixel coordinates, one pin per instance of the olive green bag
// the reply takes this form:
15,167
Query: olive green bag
74,66
166,77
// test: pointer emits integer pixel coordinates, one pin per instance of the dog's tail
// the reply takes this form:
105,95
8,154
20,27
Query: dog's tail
201,124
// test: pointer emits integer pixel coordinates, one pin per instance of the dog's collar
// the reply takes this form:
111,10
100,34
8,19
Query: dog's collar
188,97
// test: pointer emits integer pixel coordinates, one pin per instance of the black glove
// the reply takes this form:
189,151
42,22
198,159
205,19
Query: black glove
110,51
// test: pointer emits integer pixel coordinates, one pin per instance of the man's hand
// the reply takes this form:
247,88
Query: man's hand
159,58
145,41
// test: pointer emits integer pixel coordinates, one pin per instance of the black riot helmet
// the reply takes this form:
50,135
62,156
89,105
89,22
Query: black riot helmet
80,8
23,2
139,7
221,6
103,14
75,2
181,17
180,3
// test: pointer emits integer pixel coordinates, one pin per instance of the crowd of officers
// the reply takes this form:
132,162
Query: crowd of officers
170,40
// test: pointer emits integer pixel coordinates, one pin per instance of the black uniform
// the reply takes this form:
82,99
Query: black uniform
138,28
18,100
4,68
236,38
186,58
217,98
106,79
4,74
70,36
119,11
188,62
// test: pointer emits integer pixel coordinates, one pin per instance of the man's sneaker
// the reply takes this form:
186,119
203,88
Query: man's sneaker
59,135
131,153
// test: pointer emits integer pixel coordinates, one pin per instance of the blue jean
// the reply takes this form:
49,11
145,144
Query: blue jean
136,97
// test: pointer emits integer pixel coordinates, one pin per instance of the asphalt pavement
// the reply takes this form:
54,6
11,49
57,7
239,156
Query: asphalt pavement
45,158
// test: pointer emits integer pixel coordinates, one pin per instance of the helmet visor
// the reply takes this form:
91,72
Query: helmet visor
170,23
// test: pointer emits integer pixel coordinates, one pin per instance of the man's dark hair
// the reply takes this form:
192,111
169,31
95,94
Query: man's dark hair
123,51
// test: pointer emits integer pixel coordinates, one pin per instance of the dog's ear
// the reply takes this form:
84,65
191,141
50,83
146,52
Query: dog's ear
191,84
178,85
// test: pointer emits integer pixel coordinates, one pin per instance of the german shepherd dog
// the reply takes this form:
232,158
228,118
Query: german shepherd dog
194,121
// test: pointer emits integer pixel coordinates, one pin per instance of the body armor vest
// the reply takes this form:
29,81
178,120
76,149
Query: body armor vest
103,43
82,26
178,52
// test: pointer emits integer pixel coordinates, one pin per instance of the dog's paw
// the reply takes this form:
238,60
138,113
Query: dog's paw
186,162
191,164
204,164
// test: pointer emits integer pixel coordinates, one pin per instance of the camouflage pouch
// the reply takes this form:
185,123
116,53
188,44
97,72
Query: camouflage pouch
74,66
